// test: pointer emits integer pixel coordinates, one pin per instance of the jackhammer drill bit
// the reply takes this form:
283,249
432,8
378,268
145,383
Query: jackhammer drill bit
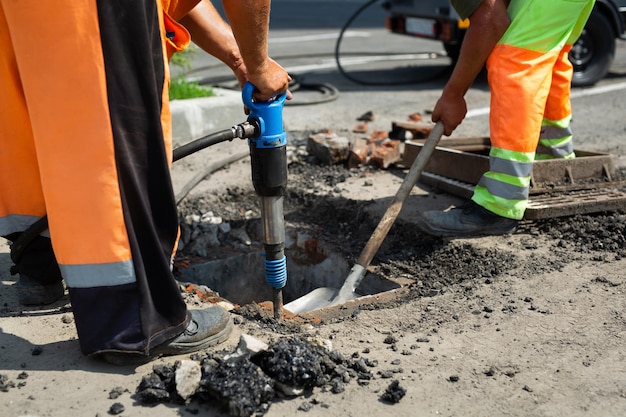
268,155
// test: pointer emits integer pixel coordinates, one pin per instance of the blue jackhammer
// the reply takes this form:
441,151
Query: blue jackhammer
268,156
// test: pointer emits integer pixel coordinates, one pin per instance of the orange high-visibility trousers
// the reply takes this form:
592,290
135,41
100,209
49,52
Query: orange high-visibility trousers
529,77
85,128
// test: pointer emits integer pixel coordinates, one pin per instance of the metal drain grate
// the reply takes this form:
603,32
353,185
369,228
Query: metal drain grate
546,205
543,206
560,187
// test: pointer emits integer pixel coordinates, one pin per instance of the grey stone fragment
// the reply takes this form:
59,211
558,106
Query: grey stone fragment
187,378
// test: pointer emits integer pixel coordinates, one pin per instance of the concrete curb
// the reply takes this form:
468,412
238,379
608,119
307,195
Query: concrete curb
197,117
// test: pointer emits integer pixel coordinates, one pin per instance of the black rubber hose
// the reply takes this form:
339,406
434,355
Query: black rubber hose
328,92
204,142
363,82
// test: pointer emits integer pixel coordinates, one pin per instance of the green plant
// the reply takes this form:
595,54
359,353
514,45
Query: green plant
180,87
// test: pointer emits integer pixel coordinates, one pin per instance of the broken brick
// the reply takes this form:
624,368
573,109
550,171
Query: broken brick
360,128
330,149
410,130
359,153
385,154
378,136
415,117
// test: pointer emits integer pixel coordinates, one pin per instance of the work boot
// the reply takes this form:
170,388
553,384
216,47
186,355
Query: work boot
31,292
467,220
207,327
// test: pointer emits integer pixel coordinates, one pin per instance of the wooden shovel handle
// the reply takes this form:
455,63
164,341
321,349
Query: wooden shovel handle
373,244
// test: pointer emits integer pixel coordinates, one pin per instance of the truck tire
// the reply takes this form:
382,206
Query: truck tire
593,52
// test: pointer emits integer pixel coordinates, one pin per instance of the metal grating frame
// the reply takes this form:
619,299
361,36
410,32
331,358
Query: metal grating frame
546,205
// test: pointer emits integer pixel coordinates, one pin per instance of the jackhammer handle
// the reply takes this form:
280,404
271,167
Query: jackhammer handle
248,90
268,114
372,246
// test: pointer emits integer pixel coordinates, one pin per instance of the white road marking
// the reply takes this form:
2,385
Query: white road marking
347,61
319,37
585,92
598,90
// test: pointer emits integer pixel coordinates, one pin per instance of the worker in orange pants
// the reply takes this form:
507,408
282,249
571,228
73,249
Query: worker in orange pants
525,44
85,125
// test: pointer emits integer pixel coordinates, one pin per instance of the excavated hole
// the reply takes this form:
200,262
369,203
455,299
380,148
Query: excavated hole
240,278
321,247
324,237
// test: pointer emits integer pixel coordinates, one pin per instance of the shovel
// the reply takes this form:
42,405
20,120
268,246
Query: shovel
326,296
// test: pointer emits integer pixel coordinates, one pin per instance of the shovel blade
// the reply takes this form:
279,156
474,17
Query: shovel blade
316,299
328,296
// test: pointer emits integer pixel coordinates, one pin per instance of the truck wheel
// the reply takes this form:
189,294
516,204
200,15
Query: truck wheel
593,52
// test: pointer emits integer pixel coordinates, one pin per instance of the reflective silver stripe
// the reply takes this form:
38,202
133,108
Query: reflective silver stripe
558,151
512,168
554,132
18,223
98,275
503,190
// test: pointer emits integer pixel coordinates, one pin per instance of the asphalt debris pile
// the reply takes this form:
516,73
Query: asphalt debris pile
245,384
297,365
238,384
602,232
436,265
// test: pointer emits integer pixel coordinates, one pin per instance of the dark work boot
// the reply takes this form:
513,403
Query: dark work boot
39,278
31,292
207,327
467,220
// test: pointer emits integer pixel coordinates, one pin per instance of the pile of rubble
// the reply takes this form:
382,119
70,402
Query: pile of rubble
380,148
246,381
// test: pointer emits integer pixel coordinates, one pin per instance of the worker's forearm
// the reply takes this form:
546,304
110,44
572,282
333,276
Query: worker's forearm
249,20
211,33
487,25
